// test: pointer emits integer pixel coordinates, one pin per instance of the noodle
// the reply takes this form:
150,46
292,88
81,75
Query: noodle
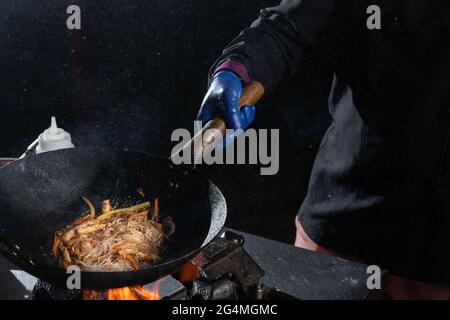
124,241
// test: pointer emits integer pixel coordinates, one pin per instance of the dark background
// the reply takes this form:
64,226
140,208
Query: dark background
135,72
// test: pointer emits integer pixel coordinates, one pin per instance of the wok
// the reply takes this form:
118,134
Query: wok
42,193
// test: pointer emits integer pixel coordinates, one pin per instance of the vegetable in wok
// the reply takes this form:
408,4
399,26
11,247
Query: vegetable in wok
124,239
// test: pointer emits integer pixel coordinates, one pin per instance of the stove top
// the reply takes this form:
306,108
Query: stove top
235,265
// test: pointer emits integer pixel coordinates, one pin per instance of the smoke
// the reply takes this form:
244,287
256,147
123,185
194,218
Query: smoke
128,127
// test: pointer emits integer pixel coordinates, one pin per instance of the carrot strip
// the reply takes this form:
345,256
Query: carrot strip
56,241
133,262
140,214
155,210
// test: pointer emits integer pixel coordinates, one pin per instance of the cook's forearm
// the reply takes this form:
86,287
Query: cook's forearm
273,46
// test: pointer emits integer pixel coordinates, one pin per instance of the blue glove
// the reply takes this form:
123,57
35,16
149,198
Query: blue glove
222,97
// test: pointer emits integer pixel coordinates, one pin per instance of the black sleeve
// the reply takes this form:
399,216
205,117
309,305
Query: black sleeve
273,46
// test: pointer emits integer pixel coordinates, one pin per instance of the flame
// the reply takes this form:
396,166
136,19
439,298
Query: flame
190,270
125,293
186,274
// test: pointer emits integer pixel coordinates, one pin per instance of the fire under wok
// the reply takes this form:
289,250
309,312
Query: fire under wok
41,194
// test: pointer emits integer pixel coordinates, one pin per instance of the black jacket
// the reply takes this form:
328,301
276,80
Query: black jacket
379,188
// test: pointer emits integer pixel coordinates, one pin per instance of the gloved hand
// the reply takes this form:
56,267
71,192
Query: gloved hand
222,97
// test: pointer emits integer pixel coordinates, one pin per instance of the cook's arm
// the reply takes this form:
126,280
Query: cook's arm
273,46
267,52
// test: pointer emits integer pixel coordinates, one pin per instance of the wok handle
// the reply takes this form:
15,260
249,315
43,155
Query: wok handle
251,94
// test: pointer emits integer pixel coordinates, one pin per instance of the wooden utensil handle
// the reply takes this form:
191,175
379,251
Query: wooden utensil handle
252,93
